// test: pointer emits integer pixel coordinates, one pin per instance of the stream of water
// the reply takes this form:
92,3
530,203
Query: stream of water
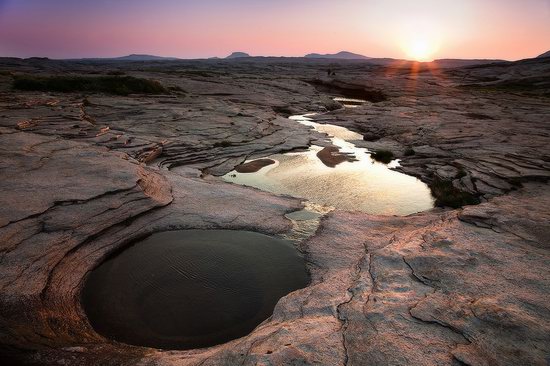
357,184
360,184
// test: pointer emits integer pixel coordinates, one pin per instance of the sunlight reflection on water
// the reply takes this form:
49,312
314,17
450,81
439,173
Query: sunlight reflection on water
362,185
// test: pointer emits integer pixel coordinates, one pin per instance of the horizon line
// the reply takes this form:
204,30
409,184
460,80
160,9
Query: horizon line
264,56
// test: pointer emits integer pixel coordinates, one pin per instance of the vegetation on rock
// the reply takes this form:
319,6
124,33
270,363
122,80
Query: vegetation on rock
409,152
383,156
447,195
117,85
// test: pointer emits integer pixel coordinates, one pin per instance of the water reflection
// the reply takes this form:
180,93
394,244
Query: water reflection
305,222
350,102
191,288
361,185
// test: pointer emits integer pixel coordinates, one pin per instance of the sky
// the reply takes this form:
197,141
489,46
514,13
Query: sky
412,29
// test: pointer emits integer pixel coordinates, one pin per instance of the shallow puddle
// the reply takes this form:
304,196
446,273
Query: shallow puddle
357,183
349,102
192,288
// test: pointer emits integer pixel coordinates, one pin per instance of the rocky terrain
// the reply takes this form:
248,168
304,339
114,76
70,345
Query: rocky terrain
85,173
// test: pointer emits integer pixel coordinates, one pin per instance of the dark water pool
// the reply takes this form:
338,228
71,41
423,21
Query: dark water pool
192,288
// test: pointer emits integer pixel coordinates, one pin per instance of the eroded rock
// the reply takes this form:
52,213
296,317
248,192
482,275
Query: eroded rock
444,287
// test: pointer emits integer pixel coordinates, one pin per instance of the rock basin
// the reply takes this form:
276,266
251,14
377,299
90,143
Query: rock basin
192,288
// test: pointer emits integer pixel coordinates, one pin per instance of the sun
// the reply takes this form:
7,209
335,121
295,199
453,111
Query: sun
420,49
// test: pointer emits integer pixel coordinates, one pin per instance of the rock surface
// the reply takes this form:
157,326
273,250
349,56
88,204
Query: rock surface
85,175
485,140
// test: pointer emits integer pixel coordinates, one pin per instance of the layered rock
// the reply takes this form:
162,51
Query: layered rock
487,140
85,175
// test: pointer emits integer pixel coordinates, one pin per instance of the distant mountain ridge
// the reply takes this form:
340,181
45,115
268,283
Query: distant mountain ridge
132,57
342,55
238,55
138,57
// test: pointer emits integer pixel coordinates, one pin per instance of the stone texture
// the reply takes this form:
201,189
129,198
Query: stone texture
457,121
85,175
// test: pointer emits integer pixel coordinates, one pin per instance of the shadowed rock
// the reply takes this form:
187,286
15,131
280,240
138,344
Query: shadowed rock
349,90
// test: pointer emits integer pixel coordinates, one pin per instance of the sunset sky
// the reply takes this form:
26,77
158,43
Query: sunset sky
507,29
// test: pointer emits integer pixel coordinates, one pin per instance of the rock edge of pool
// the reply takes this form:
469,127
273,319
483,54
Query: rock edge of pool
191,289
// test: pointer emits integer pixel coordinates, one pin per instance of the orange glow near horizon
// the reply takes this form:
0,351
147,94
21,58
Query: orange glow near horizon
420,49
420,30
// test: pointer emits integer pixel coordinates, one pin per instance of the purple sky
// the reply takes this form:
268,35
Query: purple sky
509,29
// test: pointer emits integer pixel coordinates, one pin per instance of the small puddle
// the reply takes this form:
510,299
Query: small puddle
355,183
349,102
305,222
192,288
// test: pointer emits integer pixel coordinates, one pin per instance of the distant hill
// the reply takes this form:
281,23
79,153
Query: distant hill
38,59
343,55
135,57
546,54
238,55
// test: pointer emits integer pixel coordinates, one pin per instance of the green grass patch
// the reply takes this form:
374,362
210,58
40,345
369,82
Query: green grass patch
118,85
409,152
447,195
383,156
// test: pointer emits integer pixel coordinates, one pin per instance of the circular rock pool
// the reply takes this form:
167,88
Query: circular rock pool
191,288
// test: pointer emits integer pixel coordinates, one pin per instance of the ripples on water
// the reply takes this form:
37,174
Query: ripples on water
193,288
